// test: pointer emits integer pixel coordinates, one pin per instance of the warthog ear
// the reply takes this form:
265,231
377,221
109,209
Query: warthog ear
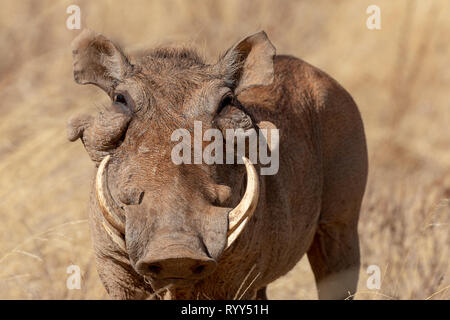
98,61
249,62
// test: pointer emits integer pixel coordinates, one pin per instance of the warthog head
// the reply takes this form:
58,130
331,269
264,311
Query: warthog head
173,221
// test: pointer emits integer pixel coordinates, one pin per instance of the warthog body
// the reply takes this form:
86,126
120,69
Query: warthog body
163,230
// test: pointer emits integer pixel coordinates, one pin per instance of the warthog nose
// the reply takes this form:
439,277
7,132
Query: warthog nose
176,268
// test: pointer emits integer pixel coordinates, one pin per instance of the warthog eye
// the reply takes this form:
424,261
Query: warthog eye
120,98
226,100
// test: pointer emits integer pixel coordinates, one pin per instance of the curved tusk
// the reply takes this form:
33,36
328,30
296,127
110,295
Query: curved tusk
115,235
239,216
107,204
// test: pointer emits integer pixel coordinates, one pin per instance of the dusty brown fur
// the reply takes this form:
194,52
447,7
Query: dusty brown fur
310,206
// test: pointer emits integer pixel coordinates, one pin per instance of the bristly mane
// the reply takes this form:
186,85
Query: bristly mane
180,57
186,54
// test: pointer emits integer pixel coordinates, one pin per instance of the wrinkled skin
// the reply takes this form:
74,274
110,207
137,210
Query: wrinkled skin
179,211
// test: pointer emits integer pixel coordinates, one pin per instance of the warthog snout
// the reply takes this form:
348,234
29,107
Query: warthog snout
176,263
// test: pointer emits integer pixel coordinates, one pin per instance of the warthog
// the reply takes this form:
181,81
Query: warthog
219,231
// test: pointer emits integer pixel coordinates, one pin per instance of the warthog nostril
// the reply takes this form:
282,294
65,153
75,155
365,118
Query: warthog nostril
176,268
154,268
199,269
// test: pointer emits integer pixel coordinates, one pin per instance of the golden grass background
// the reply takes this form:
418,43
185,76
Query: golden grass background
399,76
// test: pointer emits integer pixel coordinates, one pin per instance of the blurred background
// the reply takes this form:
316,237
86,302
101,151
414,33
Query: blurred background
399,76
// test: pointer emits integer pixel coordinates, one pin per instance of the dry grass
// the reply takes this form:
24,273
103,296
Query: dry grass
399,76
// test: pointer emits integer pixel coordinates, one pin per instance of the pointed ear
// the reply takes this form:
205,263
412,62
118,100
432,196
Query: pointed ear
98,61
249,63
